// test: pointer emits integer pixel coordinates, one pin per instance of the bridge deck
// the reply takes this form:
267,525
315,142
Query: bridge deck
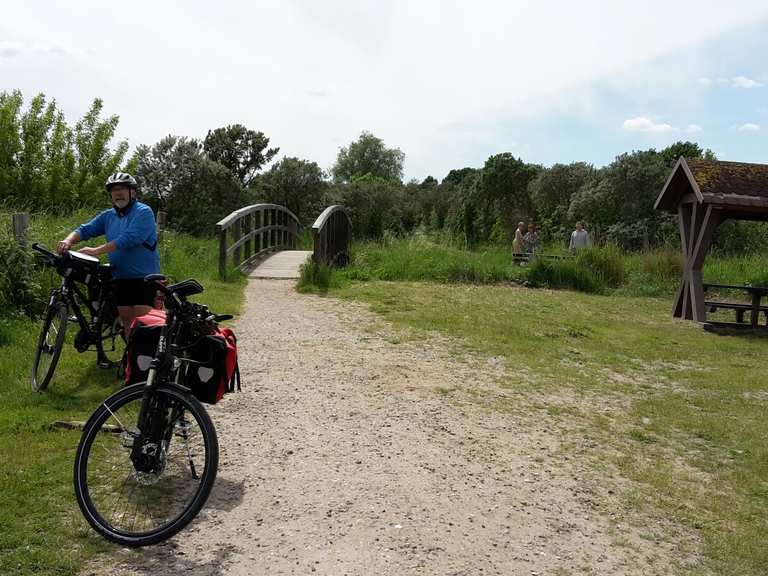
283,264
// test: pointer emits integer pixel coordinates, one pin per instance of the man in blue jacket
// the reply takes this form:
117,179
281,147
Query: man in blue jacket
131,244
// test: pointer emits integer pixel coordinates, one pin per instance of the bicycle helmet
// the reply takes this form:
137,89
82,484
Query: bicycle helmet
122,178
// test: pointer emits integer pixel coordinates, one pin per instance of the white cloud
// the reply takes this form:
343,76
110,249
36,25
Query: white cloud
8,48
735,82
643,124
749,127
744,82
693,129
402,70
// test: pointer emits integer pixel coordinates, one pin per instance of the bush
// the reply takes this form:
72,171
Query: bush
567,273
605,262
18,285
314,277
665,264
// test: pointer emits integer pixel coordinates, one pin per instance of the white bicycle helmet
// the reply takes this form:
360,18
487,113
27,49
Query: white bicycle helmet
121,178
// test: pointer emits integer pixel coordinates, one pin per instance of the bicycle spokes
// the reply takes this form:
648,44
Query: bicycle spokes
140,481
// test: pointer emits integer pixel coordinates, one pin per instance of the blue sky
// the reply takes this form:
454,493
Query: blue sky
449,82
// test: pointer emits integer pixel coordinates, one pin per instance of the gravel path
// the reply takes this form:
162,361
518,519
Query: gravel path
347,453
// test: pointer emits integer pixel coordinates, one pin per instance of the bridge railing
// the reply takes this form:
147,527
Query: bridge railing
332,235
250,232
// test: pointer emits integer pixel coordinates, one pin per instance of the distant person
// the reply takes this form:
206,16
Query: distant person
531,239
518,243
579,238
131,245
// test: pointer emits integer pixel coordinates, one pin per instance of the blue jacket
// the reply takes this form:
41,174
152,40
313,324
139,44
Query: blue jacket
135,236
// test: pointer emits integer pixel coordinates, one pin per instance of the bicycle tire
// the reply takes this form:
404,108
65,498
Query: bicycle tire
47,347
95,488
111,332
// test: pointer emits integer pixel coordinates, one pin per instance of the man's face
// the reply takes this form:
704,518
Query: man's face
578,226
121,195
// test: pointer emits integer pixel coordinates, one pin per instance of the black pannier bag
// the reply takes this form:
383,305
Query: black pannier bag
214,371
145,334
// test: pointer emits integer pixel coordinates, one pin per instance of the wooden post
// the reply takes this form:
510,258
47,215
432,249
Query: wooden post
20,225
236,227
222,252
161,220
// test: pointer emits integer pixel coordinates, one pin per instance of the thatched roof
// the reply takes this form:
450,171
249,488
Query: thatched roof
730,185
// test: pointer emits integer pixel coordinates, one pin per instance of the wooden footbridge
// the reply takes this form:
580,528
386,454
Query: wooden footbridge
262,239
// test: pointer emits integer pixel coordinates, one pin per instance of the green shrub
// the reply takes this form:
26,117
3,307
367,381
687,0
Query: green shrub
664,264
314,277
19,286
605,262
566,273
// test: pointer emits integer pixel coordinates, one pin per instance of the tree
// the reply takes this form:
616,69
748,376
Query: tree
204,194
456,177
195,191
94,161
673,152
503,192
159,169
45,164
368,156
618,201
243,152
551,192
296,184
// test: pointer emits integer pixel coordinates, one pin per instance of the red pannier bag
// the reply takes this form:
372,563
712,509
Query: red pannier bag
215,370
142,345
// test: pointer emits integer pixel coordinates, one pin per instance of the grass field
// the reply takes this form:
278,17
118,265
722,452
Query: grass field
41,530
681,412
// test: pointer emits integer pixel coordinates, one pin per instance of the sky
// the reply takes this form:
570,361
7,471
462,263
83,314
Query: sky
448,82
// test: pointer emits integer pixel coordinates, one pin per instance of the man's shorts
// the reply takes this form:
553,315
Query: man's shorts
133,292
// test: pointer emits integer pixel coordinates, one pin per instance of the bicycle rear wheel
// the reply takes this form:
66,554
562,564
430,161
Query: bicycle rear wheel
138,503
111,343
49,344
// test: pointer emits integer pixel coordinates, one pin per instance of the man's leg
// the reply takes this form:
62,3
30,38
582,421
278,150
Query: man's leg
128,313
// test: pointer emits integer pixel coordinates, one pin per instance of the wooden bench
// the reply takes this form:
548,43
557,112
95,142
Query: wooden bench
739,307
518,258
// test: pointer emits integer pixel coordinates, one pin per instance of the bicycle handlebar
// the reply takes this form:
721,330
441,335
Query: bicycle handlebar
44,251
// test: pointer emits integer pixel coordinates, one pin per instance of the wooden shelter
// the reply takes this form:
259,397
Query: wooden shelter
705,193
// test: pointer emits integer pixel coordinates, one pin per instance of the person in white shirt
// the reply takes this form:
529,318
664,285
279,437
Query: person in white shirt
579,238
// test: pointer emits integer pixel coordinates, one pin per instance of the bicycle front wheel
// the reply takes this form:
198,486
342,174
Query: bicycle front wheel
49,344
141,495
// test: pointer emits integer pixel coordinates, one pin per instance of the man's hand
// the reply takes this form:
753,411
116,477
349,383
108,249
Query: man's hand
63,246
89,251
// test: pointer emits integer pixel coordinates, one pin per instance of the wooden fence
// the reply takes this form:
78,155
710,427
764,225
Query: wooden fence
249,233
332,235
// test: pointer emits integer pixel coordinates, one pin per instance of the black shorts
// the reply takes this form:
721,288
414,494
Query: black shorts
133,292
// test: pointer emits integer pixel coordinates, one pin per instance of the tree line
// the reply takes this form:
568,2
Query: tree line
46,164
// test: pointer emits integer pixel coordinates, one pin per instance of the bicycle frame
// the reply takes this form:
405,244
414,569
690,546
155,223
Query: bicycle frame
76,299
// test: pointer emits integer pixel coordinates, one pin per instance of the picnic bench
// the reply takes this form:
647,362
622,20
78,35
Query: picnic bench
754,307
527,257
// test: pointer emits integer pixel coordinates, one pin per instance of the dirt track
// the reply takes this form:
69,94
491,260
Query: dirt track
347,453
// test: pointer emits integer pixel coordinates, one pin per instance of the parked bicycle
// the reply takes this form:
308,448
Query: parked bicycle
85,285
148,456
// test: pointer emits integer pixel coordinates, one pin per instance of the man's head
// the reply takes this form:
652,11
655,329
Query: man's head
579,226
531,227
122,188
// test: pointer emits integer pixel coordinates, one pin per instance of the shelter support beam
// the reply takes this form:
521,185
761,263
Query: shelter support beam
697,228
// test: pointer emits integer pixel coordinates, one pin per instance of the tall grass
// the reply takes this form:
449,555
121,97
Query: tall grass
563,274
419,259
597,269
